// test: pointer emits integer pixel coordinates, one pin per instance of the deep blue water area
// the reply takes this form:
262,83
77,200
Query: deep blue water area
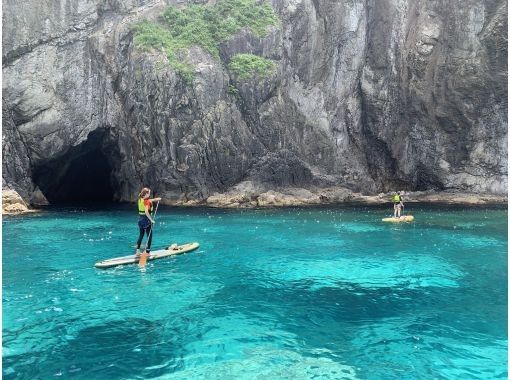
298,293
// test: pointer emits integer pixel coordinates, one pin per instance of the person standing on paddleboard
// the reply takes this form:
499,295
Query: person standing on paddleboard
145,220
398,204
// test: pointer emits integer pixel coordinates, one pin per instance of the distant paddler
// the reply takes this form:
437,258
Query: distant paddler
398,204
145,221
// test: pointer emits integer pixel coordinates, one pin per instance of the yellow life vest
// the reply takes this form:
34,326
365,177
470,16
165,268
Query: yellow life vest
396,198
141,207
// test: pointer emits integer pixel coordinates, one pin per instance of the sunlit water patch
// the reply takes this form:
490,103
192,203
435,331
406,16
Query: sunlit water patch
303,293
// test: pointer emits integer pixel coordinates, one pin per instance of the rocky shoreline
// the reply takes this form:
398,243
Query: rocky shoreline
331,196
13,204
246,197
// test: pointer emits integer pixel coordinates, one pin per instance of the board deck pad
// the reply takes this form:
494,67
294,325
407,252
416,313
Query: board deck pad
405,218
159,254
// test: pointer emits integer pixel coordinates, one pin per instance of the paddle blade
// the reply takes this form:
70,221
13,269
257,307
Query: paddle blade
143,259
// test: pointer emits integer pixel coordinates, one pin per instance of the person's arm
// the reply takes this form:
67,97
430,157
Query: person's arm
155,199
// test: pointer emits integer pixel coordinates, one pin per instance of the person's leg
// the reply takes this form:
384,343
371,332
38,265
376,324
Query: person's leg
398,211
394,210
140,237
149,242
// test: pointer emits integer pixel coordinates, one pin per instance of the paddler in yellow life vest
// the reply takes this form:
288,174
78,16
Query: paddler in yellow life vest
398,204
145,220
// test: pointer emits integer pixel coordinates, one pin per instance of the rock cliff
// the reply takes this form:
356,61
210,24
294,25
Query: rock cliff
367,96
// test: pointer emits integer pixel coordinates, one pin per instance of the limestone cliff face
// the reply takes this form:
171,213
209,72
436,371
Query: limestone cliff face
16,163
368,95
434,90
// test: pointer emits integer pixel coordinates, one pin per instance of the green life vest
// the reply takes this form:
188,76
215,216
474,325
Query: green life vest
396,198
141,207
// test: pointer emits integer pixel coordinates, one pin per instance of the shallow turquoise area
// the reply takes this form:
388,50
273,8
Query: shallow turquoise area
322,293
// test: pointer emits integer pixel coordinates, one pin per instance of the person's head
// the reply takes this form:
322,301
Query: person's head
145,193
398,192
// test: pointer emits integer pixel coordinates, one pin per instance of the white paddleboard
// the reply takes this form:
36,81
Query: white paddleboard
159,254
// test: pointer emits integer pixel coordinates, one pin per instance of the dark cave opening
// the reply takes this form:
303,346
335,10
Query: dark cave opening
82,175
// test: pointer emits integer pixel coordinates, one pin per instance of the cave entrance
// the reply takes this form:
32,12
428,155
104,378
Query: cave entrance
82,175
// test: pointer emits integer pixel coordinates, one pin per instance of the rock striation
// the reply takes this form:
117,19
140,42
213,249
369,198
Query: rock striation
368,96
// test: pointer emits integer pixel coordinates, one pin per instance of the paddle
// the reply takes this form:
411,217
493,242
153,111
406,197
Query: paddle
143,257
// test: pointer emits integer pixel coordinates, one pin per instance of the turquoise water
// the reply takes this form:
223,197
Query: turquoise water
323,293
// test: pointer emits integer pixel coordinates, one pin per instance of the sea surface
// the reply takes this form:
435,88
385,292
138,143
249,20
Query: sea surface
299,293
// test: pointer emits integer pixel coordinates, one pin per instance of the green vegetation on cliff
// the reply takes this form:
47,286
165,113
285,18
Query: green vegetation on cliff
246,65
205,26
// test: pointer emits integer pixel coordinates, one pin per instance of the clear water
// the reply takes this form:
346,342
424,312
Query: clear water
325,293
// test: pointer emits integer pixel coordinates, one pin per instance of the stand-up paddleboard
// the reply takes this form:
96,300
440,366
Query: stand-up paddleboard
159,254
405,218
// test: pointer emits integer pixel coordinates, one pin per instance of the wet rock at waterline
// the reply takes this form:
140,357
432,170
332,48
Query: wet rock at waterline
366,97
13,204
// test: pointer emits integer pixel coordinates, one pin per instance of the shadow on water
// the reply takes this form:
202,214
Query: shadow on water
117,349
348,303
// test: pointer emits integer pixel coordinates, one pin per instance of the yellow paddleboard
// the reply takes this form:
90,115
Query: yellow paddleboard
405,218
